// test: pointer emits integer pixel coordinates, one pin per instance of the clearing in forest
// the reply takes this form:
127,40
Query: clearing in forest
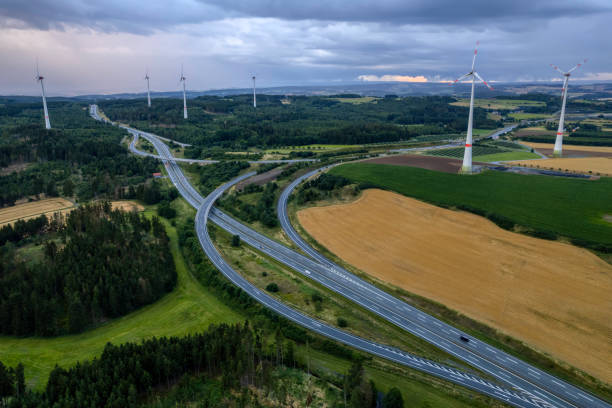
551,295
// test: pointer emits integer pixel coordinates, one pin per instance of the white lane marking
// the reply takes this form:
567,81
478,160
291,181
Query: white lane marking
491,350
533,372
558,383
584,396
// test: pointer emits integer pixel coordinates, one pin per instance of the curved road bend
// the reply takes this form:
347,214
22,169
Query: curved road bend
195,199
508,369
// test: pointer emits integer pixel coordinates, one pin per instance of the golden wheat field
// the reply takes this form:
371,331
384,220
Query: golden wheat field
594,165
550,146
126,206
553,296
33,209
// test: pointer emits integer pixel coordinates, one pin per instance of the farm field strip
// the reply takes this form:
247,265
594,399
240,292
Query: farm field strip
33,209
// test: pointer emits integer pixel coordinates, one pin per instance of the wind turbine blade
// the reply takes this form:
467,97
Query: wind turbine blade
475,53
557,69
37,72
460,78
577,66
483,81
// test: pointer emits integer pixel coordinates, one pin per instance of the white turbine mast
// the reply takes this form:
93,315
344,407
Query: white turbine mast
182,79
148,89
558,150
254,93
40,79
466,168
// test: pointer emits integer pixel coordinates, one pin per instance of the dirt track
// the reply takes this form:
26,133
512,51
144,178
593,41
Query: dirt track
444,164
553,296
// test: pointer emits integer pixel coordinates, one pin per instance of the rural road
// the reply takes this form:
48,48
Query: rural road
524,392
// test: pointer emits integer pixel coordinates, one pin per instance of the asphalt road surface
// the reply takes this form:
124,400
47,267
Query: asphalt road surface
527,390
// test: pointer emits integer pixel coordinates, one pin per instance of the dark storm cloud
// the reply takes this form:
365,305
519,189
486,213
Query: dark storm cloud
451,12
146,16
111,16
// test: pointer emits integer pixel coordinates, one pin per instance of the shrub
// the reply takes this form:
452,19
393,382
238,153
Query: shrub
272,287
342,322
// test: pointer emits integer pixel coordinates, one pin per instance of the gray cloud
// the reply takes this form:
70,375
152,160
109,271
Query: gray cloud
146,16
84,45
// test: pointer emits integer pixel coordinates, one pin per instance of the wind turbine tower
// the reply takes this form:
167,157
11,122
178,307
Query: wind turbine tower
182,79
254,95
148,89
466,168
40,79
558,150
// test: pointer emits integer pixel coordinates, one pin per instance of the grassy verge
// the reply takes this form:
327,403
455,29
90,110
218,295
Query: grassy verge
189,308
418,389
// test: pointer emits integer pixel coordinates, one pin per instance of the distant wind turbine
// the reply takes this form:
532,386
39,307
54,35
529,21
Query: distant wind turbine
558,150
40,79
148,89
182,79
254,93
466,168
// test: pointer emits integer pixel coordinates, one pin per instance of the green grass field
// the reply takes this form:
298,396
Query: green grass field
567,207
498,103
521,116
517,155
189,308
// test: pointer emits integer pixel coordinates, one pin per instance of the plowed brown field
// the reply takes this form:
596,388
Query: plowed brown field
126,206
554,296
33,209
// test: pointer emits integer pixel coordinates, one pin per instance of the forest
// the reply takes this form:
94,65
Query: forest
296,120
127,375
96,264
78,157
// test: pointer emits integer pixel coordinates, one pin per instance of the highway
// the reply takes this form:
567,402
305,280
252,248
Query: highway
320,269
491,360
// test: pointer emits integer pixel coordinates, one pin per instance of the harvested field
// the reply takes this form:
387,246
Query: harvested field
553,296
33,209
127,206
585,151
534,132
445,164
601,165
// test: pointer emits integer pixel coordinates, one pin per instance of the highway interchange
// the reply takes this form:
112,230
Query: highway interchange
523,385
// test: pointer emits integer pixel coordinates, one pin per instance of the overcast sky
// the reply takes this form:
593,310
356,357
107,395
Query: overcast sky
106,46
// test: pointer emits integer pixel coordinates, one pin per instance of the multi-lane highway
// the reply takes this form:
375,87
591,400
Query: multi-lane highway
527,390
493,361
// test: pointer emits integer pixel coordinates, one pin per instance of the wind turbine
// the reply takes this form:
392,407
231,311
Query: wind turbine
40,79
254,95
182,79
148,89
558,150
466,168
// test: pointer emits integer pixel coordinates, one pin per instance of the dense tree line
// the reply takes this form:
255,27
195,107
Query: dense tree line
100,263
263,211
321,188
210,177
233,123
